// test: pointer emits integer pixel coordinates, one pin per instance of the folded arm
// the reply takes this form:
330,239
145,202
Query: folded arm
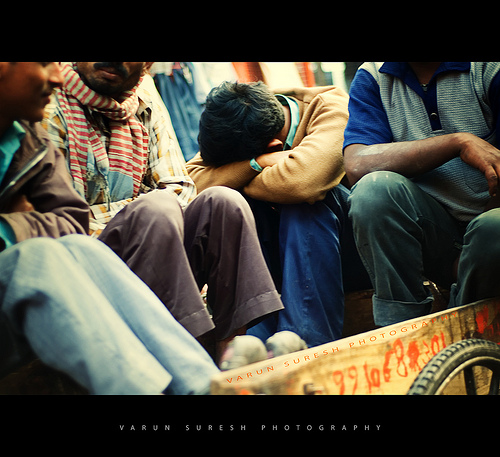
49,205
413,158
303,174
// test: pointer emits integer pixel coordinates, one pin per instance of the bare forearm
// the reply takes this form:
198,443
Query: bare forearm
413,158
409,158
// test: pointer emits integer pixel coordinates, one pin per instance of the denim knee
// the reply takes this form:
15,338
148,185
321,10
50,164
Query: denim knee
373,195
479,261
480,240
41,246
307,214
78,241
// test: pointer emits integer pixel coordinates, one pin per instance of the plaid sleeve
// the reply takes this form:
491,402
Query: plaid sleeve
103,214
55,125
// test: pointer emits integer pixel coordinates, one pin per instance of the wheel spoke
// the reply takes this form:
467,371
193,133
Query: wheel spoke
473,364
495,383
470,381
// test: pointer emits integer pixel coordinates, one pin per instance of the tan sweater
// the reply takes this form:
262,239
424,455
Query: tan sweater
314,164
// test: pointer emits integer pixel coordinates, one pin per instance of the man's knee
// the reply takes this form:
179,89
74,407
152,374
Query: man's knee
34,254
224,199
222,194
481,236
160,208
156,202
32,247
375,194
77,241
305,215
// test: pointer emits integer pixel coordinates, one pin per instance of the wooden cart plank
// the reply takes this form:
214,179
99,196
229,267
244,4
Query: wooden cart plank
381,361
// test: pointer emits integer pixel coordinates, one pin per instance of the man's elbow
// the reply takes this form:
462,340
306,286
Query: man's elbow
353,171
353,166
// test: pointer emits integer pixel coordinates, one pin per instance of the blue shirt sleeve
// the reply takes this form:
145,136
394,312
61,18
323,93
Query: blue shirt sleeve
7,235
368,123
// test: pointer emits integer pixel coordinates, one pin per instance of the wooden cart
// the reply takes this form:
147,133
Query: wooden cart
452,351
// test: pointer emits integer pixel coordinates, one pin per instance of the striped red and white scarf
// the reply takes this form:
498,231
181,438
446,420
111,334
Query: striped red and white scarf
128,145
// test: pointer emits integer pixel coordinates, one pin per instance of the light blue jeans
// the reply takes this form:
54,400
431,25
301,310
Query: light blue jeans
405,236
85,313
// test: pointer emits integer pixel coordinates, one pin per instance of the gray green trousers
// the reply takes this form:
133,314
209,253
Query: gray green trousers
404,236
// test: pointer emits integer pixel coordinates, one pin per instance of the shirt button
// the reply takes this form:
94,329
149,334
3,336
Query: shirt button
434,116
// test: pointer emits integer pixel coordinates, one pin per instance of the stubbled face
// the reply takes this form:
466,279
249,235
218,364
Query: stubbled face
25,88
111,78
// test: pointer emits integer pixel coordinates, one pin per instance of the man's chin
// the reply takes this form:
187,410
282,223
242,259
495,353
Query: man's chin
104,86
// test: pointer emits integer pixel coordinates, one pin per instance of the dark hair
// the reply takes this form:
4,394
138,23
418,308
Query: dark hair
238,122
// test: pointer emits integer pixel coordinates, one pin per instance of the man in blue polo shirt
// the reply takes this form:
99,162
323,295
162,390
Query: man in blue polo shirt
420,150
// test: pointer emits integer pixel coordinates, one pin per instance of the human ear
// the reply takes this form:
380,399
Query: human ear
274,145
147,67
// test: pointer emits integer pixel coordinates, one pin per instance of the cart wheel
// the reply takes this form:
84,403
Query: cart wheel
459,364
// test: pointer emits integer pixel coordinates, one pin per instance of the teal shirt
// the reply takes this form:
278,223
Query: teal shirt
294,121
10,142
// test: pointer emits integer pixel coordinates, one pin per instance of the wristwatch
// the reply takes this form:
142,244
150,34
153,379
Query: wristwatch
255,165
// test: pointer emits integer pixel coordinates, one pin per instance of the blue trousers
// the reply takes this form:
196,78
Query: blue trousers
312,257
405,236
85,313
